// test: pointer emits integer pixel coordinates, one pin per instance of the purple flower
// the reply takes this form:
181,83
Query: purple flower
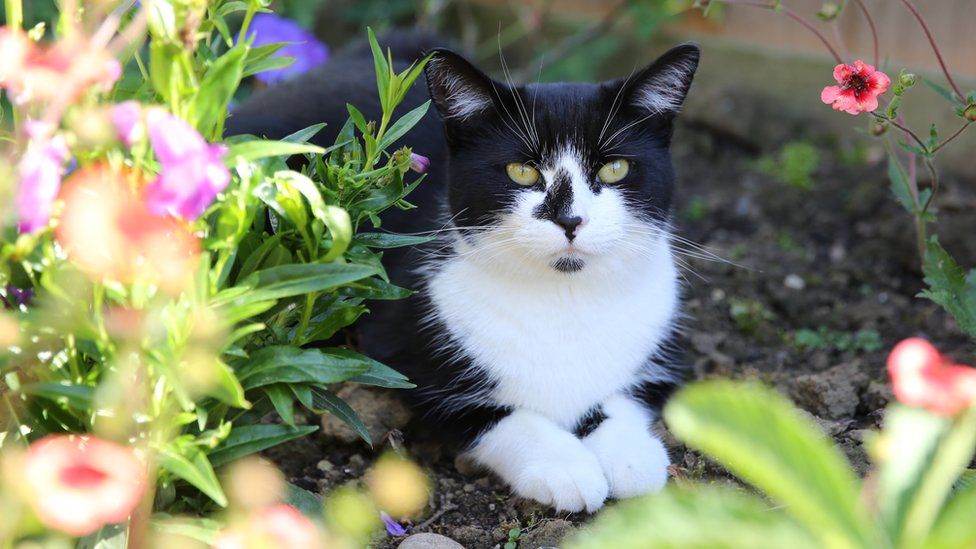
127,119
419,163
40,171
18,296
307,51
192,171
393,527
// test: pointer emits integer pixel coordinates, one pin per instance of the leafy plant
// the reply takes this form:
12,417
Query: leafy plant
794,165
824,338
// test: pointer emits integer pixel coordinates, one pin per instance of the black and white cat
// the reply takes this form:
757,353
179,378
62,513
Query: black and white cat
542,336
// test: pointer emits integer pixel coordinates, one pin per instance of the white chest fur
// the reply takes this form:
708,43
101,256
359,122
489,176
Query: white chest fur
559,343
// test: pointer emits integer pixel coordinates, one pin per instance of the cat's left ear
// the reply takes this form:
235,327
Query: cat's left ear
662,86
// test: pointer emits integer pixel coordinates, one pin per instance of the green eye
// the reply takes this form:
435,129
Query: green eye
614,171
523,174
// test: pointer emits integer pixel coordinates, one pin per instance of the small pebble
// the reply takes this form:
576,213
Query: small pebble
794,282
324,465
468,488
429,540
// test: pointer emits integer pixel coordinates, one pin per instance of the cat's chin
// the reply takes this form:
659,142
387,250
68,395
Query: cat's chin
568,264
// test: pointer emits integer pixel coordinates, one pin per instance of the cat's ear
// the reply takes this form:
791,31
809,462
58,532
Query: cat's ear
662,86
459,90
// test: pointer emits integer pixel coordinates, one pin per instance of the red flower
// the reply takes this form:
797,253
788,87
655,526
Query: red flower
860,86
77,484
276,527
108,231
922,377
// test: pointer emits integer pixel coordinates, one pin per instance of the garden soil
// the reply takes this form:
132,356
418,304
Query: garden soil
813,288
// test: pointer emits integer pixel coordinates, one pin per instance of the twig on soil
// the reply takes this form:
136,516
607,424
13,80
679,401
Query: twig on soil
433,518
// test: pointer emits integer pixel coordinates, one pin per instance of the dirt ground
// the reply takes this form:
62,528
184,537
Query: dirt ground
818,285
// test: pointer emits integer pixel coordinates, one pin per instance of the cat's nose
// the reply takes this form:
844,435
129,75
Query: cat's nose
569,223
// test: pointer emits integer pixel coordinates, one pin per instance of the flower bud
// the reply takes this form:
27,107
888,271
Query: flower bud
906,79
879,128
969,113
829,11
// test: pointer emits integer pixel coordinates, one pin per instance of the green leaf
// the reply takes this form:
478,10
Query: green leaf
304,135
382,70
375,288
306,502
924,455
403,125
761,437
299,279
900,186
283,402
78,397
193,466
248,439
324,401
944,92
286,364
949,286
378,374
203,530
217,88
390,240
225,386
256,149
112,536
337,316
954,527
699,516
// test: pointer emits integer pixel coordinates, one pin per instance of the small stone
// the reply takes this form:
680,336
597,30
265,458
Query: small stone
877,396
429,540
547,533
834,393
491,506
468,488
794,282
380,410
324,465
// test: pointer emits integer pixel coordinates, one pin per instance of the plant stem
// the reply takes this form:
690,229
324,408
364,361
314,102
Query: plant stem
874,31
14,11
299,338
953,136
794,16
902,127
938,54
248,16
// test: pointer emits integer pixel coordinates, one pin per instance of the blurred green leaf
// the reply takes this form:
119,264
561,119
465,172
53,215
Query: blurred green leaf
286,364
257,149
79,397
760,436
694,517
299,279
217,89
192,465
950,286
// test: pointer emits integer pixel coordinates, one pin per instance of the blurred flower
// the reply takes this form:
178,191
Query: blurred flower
127,119
77,484
920,376
9,333
277,527
393,527
860,86
192,171
254,483
108,231
17,297
62,71
398,485
419,163
40,172
303,47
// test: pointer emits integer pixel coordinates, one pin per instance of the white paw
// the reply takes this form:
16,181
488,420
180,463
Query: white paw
573,482
634,463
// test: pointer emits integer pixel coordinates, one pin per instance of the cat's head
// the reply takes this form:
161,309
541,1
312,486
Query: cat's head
560,177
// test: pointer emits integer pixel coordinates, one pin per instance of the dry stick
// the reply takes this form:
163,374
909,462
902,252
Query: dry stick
794,16
938,54
874,31
440,512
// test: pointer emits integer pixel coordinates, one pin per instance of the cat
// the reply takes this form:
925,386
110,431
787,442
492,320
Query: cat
543,337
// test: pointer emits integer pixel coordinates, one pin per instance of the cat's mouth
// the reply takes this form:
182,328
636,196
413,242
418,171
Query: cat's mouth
568,264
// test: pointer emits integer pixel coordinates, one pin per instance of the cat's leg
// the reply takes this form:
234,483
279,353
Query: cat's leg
542,461
633,459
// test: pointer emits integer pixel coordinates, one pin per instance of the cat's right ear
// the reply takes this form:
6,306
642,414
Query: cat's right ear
459,90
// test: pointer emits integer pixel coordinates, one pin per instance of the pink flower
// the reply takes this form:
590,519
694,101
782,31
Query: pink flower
127,119
860,86
77,484
276,527
920,376
192,171
40,172
63,70
419,163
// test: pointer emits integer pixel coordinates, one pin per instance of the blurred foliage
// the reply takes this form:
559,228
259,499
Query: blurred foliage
794,164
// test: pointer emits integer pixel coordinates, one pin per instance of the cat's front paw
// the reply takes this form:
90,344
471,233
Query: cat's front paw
634,465
571,483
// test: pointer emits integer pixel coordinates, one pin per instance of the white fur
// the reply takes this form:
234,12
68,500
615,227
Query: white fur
543,462
665,91
557,344
461,99
634,461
